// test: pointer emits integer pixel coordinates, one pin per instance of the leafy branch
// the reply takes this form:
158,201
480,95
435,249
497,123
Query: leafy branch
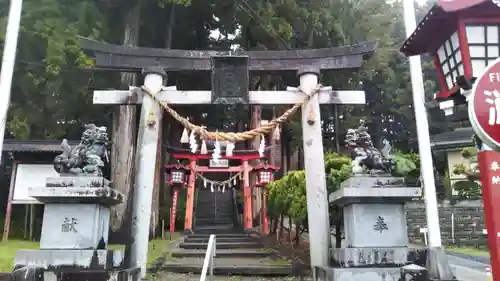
470,188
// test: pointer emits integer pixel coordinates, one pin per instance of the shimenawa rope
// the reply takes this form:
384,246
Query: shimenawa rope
233,137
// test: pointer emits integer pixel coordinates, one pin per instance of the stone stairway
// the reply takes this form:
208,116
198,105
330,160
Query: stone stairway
214,208
237,252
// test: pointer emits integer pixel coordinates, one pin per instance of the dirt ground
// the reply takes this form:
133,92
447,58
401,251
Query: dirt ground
299,254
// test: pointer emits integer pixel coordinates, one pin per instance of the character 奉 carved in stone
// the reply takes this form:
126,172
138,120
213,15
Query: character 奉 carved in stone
367,158
88,158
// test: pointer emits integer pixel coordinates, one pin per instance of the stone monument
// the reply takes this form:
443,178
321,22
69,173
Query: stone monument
376,238
75,224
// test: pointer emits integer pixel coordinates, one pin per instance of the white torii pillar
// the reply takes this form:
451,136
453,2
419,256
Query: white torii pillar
317,195
145,168
314,166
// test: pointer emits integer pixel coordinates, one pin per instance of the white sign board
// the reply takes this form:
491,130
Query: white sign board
221,163
30,175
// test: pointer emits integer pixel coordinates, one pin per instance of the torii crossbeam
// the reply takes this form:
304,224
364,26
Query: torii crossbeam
134,59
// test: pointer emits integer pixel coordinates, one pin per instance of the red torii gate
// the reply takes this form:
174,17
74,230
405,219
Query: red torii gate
194,168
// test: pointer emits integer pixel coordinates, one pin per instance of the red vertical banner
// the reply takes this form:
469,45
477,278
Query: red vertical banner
264,209
489,164
174,210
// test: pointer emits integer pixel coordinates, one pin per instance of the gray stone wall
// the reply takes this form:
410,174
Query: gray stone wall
461,224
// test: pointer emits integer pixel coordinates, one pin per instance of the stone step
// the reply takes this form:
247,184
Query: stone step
224,253
217,232
226,245
218,200
211,212
219,239
204,221
216,229
222,235
231,266
211,206
208,217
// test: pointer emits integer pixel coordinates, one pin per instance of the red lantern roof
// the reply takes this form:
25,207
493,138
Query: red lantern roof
266,167
441,21
177,166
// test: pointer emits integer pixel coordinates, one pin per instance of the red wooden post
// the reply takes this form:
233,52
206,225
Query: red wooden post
247,196
489,163
188,222
264,210
174,210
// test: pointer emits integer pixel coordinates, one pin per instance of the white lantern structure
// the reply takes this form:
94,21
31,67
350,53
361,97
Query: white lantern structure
177,175
463,36
265,173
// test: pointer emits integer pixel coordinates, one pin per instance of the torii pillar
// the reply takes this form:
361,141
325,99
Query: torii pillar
146,152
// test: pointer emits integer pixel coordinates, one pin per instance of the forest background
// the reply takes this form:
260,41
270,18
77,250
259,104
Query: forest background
54,80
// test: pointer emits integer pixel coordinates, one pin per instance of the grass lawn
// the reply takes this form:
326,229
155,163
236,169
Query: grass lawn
8,249
480,252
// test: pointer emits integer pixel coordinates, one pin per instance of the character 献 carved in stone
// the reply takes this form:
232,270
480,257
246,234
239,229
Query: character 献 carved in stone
89,157
367,158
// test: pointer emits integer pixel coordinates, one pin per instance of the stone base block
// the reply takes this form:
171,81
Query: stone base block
30,273
103,275
70,260
362,257
76,195
357,274
75,226
77,181
350,195
375,225
414,272
27,273
379,180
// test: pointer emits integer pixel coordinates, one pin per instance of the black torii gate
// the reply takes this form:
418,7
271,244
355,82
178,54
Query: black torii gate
230,86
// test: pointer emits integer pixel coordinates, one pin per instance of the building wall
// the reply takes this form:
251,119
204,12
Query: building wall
461,224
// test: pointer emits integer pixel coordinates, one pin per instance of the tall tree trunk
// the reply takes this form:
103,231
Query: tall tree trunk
337,127
338,218
275,151
285,158
255,121
124,139
282,227
256,192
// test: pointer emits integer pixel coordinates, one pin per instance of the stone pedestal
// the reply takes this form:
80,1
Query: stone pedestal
75,229
374,228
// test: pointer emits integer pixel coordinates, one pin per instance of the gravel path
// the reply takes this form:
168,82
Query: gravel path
167,276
